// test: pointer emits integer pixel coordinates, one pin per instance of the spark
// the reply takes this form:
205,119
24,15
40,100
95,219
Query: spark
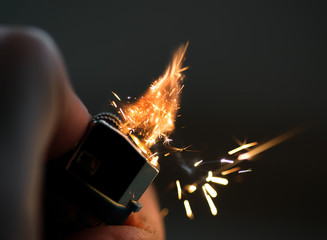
179,91
171,93
229,171
244,156
212,206
245,171
130,119
141,146
116,95
208,179
176,149
226,161
114,104
188,209
219,180
210,190
150,142
179,189
244,146
273,142
155,160
198,163
122,112
154,154
167,141
191,188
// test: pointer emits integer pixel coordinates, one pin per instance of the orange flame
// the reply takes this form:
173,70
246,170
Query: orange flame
153,115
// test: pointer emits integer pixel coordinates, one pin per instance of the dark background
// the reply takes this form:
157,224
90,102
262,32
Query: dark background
257,69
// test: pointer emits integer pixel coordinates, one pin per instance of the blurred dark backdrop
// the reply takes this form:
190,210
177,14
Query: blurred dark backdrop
257,69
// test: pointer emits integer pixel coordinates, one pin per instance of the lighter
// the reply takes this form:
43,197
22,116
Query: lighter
97,183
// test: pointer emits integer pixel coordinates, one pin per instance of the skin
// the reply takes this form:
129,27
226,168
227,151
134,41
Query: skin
43,118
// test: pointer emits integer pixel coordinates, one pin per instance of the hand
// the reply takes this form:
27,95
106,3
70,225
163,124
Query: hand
43,118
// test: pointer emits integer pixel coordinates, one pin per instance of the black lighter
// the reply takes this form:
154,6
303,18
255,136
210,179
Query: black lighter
97,183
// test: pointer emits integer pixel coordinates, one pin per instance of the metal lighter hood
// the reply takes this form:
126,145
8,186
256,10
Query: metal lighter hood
111,163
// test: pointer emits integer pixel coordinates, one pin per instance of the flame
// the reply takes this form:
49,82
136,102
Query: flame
153,115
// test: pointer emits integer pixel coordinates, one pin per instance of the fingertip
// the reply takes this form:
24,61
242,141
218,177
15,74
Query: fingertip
32,68
149,218
144,225
72,124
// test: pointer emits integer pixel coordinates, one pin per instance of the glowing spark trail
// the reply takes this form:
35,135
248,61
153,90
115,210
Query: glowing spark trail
245,171
190,188
114,104
116,95
198,163
179,189
226,161
210,190
219,180
269,144
122,113
209,176
231,152
229,171
188,209
212,206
